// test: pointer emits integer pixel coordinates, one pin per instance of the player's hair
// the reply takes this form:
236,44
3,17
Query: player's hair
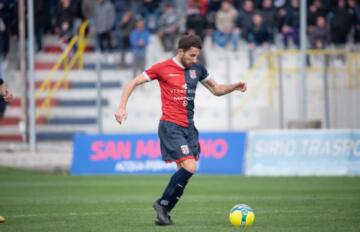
188,41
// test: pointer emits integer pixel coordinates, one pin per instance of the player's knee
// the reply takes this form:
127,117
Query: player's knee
190,165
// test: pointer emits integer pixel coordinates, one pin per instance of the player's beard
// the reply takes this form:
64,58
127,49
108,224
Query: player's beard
184,63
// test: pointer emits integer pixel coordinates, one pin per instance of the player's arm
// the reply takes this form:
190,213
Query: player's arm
121,113
4,92
222,89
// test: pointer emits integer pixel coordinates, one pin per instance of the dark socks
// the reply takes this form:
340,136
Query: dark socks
176,197
175,188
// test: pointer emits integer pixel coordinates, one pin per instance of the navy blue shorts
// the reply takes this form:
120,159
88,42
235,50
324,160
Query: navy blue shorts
178,143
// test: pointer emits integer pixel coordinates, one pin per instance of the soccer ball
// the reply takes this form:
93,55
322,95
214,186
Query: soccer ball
241,215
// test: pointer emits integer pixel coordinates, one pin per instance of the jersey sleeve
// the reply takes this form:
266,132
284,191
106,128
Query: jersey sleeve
204,74
152,73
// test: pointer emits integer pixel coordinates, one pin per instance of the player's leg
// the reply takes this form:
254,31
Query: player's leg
188,164
174,147
176,186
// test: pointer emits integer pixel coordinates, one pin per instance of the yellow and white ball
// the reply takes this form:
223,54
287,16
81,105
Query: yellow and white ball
242,215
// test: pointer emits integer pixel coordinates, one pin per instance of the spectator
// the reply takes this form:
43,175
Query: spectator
280,17
312,15
4,46
257,36
168,28
64,22
319,36
150,12
292,24
9,13
4,38
213,7
340,24
225,26
121,5
202,5
104,18
244,20
356,11
125,26
322,7
5,96
88,8
268,14
42,19
196,23
139,40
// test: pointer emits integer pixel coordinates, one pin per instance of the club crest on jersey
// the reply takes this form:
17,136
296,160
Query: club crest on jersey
185,149
192,74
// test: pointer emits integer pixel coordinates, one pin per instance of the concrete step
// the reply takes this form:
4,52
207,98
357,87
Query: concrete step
43,65
55,48
85,75
60,121
10,138
82,84
64,102
56,136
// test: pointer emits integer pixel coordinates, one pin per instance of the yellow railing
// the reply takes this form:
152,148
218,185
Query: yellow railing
46,87
352,69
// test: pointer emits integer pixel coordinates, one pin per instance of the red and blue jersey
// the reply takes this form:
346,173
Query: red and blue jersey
178,86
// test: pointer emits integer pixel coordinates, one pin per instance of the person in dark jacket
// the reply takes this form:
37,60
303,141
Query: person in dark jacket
244,20
197,24
4,44
257,35
340,24
268,14
41,21
65,22
319,37
123,29
291,27
356,9
5,96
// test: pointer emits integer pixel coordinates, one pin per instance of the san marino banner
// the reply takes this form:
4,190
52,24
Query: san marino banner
221,153
304,152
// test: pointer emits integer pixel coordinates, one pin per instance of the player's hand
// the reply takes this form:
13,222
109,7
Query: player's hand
241,86
120,115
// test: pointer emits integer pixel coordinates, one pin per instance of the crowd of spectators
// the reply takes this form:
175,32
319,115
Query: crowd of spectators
123,25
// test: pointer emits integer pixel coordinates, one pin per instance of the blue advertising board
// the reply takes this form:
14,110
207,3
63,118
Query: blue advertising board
303,152
221,153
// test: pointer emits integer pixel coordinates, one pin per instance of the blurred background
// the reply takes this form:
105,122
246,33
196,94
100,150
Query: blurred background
66,62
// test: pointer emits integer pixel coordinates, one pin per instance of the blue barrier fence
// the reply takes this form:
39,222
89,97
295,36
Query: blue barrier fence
303,152
298,152
221,153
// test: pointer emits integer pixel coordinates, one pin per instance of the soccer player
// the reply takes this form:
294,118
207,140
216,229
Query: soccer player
178,78
4,92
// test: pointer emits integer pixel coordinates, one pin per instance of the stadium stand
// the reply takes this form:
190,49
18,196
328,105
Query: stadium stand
74,104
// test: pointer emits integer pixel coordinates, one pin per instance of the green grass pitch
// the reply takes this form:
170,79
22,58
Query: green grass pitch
39,202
